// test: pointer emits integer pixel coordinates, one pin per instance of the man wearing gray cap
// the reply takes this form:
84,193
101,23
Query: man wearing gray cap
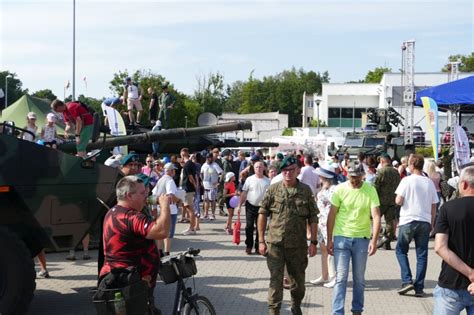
353,203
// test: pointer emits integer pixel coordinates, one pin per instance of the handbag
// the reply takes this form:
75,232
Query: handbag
236,232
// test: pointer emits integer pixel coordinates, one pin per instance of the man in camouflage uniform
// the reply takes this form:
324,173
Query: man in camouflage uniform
386,183
291,206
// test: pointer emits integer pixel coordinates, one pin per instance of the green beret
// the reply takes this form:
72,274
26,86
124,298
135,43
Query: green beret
280,156
131,157
288,161
145,179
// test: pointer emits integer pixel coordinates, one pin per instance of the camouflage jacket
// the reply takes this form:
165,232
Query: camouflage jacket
290,210
386,183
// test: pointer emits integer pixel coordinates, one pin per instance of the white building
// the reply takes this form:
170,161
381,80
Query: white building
264,125
342,104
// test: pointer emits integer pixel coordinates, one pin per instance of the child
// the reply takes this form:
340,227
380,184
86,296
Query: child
48,132
229,192
31,127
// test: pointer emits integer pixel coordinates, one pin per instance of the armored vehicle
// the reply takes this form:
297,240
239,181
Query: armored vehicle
372,144
50,199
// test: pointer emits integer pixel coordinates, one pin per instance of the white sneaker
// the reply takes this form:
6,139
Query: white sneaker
330,284
212,218
320,280
189,232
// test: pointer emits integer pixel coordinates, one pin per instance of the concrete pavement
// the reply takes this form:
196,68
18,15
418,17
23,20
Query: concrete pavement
235,282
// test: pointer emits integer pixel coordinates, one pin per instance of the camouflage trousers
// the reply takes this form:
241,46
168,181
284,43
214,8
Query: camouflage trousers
220,196
296,261
390,215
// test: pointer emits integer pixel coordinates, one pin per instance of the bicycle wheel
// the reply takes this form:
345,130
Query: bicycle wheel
204,307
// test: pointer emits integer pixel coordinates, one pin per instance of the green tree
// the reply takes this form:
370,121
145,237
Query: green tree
146,79
210,93
14,85
282,92
374,76
287,132
46,94
467,63
315,122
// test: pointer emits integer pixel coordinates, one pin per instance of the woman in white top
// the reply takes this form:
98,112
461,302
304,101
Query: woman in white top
326,174
48,132
31,127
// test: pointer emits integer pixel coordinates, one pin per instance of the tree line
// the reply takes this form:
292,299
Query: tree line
281,92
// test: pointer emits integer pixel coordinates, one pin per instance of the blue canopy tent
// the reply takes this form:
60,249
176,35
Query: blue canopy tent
455,95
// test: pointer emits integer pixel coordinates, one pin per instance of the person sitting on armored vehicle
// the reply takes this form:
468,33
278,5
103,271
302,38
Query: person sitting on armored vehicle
129,234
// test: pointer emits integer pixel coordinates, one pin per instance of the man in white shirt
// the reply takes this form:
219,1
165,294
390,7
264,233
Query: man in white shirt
417,197
210,175
252,194
167,186
308,175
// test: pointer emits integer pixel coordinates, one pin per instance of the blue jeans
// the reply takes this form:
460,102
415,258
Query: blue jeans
346,248
420,232
452,302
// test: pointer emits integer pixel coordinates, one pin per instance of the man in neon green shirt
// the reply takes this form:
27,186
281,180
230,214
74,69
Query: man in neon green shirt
353,203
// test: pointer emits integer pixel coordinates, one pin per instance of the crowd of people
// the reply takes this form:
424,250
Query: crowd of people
293,203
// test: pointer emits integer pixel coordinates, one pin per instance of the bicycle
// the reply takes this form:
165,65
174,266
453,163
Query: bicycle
176,268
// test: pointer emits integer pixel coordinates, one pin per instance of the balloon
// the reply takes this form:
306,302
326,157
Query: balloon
40,142
234,201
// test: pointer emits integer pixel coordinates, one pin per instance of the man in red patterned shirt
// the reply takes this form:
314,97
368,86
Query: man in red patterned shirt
129,234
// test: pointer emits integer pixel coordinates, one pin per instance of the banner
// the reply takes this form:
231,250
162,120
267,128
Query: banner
431,111
461,147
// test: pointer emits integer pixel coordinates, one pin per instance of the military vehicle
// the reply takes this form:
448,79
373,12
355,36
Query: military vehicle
50,199
377,141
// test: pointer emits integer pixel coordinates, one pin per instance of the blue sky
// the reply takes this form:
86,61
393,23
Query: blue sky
186,39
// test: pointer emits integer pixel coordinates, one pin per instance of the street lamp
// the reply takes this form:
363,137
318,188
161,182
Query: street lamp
6,89
389,100
185,121
318,102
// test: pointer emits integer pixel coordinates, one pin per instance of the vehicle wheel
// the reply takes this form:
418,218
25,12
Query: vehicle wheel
17,274
204,307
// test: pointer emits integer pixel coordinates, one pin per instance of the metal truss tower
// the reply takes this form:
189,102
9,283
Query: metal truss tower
408,84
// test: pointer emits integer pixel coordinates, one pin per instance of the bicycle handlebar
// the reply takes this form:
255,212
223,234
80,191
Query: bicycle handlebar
193,251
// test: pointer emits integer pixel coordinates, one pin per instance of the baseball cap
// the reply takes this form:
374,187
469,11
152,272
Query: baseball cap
169,166
228,176
355,169
280,156
31,115
255,158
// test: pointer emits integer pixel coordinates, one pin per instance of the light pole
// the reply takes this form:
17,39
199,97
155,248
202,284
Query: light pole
389,100
74,50
185,121
6,89
318,102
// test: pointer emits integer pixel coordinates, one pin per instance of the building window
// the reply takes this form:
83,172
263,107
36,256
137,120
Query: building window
345,117
310,104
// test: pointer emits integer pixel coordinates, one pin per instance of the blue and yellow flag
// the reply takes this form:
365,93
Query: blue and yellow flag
431,111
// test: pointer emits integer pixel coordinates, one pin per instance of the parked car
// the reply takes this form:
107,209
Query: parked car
418,134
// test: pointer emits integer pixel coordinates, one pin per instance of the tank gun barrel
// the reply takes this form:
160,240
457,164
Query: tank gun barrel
237,144
153,136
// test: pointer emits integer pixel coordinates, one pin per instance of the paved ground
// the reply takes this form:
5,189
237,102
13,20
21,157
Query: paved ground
234,282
